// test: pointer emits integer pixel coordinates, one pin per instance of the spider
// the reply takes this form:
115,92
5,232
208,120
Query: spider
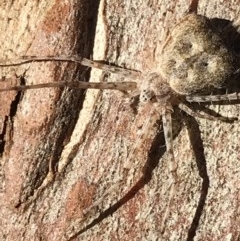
195,61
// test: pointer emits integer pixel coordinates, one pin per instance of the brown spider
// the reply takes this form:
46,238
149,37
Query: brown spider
194,62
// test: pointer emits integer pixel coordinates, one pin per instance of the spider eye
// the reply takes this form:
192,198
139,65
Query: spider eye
147,95
187,45
205,64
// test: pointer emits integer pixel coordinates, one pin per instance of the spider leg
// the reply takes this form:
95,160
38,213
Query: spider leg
213,98
121,86
167,128
68,58
193,113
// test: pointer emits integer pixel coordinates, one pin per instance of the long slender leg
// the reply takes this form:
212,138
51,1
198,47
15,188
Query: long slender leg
74,58
213,98
167,128
193,113
122,86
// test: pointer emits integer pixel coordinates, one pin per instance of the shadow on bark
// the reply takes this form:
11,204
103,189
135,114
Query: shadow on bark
157,150
197,146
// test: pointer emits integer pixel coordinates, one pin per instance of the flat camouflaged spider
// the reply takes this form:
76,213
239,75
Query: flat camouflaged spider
195,61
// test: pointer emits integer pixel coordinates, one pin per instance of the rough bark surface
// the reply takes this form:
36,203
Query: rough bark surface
108,183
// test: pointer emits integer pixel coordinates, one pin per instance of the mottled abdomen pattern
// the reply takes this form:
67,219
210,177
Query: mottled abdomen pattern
195,58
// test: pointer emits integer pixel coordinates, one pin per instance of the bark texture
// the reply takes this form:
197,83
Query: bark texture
109,184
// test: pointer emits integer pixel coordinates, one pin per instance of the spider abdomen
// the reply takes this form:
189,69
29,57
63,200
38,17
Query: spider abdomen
195,59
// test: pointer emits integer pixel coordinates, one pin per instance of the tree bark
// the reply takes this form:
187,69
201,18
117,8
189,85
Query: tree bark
110,182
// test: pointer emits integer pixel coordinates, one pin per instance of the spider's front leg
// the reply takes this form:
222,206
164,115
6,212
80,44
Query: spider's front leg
172,164
167,129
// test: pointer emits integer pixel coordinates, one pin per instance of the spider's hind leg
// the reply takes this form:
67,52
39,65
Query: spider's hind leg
213,98
193,113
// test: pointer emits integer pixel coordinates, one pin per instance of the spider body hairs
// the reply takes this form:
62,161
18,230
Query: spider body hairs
194,62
